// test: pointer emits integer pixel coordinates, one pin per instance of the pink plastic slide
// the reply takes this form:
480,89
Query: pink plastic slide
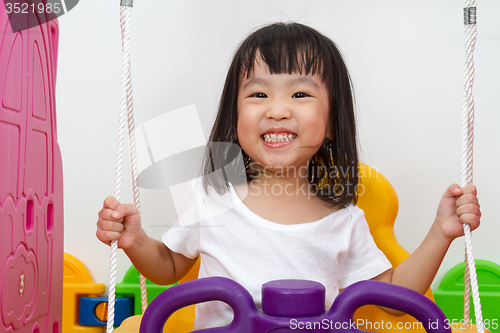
31,191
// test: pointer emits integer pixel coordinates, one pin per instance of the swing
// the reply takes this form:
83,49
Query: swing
380,205
126,114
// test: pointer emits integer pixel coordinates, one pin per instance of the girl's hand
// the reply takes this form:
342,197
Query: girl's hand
457,206
118,222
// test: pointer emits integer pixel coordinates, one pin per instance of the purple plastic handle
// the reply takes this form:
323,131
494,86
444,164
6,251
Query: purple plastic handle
248,319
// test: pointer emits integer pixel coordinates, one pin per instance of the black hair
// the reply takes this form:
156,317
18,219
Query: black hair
291,48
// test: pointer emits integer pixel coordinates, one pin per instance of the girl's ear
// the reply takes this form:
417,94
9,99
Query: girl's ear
235,134
329,132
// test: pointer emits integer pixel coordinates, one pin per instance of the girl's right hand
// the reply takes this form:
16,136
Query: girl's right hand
118,222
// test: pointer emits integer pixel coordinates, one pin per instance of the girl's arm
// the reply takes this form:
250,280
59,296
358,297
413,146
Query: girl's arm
157,262
151,257
457,206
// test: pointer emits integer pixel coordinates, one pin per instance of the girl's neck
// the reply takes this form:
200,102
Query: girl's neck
283,200
281,183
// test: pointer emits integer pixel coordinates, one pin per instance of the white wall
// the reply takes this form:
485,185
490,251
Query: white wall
405,58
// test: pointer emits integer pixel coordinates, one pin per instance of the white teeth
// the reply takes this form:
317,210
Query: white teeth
278,137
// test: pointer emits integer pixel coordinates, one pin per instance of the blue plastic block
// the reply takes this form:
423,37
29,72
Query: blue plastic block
124,308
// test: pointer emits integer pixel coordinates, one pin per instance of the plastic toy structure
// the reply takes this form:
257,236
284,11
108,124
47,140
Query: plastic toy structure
31,192
450,294
85,311
291,306
77,283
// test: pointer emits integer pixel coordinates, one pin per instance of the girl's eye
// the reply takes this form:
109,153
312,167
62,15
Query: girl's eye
299,95
259,95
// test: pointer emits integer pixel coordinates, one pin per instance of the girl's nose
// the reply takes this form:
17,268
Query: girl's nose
279,110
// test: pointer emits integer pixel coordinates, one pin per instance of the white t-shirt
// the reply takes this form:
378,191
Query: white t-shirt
236,243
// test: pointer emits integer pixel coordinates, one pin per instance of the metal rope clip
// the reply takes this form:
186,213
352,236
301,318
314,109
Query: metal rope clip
130,3
469,15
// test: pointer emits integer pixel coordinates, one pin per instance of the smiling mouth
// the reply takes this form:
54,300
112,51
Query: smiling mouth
278,137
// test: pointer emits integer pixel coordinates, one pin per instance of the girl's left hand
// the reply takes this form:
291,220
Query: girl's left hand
458,206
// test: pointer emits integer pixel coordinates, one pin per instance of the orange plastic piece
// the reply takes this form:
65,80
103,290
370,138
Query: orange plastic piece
182,320
132,325
101,311
77,283
461,328
193,272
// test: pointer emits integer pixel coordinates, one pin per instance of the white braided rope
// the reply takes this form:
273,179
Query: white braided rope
133,164
466,290
126,111
125,30
470,276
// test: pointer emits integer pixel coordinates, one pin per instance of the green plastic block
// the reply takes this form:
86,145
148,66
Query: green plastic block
131,286
450,294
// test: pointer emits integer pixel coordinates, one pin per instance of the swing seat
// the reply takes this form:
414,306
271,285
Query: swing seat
378,199
292,304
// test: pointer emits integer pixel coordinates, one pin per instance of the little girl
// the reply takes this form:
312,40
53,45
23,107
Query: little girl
290,213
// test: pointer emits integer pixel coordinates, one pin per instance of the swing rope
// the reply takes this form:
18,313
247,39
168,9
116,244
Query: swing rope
126,115
470,276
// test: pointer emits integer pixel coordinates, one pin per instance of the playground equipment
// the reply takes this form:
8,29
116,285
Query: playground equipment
31,191
289,305
85,311
77,283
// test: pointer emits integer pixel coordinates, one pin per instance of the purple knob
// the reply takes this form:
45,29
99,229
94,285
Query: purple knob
293,298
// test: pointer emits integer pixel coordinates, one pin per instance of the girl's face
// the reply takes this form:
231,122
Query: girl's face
282,118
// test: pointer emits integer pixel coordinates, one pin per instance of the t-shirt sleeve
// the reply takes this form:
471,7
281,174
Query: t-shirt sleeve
182,239
364,260
184,235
